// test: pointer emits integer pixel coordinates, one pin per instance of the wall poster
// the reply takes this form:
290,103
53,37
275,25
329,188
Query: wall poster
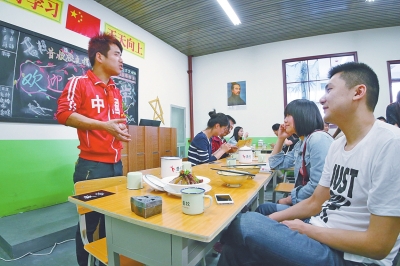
36,68
236,93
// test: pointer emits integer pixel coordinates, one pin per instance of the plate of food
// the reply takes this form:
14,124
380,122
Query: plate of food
177,192
184,180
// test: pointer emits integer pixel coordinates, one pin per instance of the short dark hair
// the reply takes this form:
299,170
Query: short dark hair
275,127
236,133
233,84
231,119
354,73
101,43
306,116
217,118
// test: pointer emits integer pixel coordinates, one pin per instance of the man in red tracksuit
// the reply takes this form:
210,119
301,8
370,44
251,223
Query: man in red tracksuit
93,105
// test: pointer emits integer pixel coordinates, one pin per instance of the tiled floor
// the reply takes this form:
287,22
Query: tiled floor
64,254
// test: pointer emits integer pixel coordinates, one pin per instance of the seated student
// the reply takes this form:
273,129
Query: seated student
393,112
237,135
217,141
302,117
200,147
289,142
355,210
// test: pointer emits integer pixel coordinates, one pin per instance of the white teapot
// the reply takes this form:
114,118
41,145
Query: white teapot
245,155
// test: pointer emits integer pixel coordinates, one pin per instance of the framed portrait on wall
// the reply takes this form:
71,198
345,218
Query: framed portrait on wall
236,92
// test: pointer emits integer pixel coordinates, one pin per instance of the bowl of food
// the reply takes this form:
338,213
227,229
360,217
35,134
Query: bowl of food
233,179
184,180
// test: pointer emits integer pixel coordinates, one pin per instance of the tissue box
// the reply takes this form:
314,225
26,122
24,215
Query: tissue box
146,206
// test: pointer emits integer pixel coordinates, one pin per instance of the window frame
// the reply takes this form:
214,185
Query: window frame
285,61
390,77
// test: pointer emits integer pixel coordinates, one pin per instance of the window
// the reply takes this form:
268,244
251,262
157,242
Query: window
306,78
394,78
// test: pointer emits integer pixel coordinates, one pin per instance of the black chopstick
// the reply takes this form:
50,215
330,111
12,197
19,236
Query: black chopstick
236,172
234,165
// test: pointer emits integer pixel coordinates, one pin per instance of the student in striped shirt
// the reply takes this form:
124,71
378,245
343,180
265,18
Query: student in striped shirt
200,147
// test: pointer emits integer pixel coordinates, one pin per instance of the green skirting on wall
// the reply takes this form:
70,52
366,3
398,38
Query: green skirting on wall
35,173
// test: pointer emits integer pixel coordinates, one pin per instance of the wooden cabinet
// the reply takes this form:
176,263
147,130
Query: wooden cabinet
136,149
167,141
146,147
152,154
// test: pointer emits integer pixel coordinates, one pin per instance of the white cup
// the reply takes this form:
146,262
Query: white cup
170,166
193,200
257,153
187,166
134,180
261,158
231,161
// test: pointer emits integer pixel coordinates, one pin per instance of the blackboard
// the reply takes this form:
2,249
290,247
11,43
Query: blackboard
35,69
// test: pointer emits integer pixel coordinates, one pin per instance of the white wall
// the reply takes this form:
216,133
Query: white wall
161,71
261,68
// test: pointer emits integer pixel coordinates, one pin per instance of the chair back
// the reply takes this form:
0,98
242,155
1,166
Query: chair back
86,186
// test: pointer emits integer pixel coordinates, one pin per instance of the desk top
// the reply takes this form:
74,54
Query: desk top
203,227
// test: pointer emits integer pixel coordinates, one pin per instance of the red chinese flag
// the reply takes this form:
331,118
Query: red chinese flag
82,22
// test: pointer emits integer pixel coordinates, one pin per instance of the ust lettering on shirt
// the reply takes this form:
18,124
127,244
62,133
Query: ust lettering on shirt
341,190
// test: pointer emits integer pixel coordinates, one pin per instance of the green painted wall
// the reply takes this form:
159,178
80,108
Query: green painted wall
254,141
38,173
35,173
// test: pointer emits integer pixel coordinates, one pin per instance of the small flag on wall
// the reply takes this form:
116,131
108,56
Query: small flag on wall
82,22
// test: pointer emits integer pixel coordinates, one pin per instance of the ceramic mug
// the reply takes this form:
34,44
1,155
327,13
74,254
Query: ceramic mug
245,155
261,158
231,161
187,166
134,180
170,166
193,200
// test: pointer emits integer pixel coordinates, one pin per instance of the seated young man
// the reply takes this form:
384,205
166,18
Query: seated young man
217,141
355,209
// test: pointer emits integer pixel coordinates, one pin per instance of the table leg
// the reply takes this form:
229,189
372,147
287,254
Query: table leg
274,181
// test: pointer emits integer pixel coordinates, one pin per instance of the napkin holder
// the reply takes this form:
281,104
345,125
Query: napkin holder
146,206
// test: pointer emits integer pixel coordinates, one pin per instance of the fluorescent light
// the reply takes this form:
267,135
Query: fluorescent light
229,11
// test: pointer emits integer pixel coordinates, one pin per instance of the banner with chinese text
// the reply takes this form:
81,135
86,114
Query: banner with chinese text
50,9
129,43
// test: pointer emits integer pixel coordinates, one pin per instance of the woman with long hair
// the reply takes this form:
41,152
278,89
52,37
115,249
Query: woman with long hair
200,147
393,112
238,134
302,118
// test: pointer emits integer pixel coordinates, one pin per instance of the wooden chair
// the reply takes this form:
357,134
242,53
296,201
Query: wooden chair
285,187
98,248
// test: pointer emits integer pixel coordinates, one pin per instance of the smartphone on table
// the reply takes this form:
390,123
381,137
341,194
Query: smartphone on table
223,199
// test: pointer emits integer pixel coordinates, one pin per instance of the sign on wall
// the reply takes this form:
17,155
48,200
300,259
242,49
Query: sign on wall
36,68
50,9
129,43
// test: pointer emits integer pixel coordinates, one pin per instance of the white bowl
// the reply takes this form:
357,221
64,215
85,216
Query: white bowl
177,188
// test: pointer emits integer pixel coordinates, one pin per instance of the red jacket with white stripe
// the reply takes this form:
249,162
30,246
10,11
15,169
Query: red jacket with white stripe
87,96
